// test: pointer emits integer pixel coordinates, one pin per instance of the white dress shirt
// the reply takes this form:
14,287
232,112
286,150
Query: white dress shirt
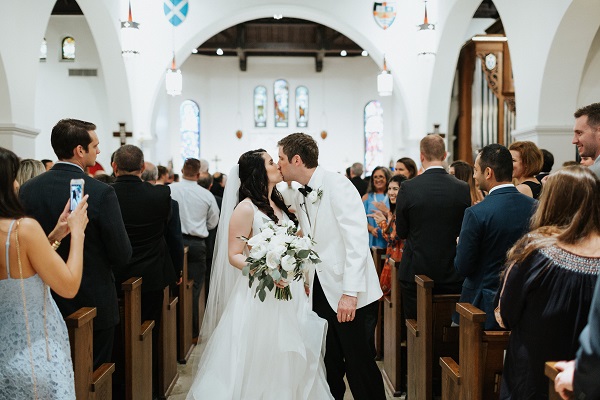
198,208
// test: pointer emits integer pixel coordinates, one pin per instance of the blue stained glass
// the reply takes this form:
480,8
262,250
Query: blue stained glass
189,115
281,93
373,136
260,106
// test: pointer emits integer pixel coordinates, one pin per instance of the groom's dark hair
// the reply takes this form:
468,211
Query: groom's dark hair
303,145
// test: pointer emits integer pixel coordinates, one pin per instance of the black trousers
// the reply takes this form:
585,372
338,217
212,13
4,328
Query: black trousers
197,272
103,346
152,303
409,295
350,350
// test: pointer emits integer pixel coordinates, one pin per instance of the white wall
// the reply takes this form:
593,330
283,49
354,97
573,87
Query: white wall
339,92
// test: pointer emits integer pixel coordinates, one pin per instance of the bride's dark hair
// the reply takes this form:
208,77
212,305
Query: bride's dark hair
254,184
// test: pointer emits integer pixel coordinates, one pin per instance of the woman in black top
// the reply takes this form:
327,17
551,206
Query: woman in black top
527,163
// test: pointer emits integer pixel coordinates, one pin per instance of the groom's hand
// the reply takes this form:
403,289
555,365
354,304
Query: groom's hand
347,308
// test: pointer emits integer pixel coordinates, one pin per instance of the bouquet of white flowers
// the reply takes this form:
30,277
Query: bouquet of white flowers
278,256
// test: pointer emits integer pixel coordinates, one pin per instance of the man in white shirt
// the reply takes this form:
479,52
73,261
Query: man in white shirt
199,213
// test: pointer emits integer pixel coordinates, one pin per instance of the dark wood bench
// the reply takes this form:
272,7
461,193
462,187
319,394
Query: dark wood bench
379,258
429,337
394,339
551,373
89,384
167,355
184,314
138,344
481,355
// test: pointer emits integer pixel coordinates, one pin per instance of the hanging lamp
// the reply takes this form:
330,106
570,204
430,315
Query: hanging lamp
385,81
130,36
426,37
174,79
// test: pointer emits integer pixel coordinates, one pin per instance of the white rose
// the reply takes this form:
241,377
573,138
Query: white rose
256,240
267,233
258,251
312,196
303,243
288,263
277,241
273,259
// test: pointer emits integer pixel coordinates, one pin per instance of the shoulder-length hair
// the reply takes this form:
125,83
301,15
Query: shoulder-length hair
10,206
568,211
531,157
386,172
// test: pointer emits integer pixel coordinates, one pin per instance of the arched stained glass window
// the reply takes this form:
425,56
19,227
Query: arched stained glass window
43,50
68,48
189,115
260,106
301,107
373,136
281,93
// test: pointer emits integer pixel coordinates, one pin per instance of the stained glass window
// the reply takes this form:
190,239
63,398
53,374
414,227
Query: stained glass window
189,115
260,106
373,136
43,50
68,48
281,93
301,107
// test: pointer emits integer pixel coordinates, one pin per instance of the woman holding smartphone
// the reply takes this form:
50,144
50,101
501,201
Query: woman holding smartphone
35,356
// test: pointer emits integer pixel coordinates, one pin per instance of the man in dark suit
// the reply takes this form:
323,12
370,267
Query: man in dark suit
489,229
146,211
106,243
429,211
356,171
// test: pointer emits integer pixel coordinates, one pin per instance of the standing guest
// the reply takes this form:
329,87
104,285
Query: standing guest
344,287
28,266
29,169
527,163
586,161
586,134
489,229
356,171
407,167
163,175
219,180
47,164
546,166
145,223
206,181
199,213
106,243
429,213
464,171
150,173
549,284
376,192
386,220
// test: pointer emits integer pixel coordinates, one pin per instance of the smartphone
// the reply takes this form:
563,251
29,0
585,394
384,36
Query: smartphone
76,192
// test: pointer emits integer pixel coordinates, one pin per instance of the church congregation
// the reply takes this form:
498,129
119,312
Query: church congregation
325,202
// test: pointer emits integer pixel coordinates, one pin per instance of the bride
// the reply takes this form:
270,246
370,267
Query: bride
256,350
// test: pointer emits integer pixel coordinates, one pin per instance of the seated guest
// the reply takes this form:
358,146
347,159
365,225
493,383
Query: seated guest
28,266
376,192
356,171
489,229
464,171
406,166
527,163
29,169
386,220
549,283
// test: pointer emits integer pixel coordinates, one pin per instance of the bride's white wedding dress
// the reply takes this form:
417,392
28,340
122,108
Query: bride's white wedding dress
264,350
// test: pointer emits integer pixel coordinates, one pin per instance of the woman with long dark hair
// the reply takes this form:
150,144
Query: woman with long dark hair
249,343
549,283
35,356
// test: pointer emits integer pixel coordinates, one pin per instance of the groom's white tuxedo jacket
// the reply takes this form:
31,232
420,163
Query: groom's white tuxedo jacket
338,224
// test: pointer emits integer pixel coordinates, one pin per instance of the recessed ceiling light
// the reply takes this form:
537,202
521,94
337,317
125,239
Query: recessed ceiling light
219,52
343,53
277,16
195,51
364,53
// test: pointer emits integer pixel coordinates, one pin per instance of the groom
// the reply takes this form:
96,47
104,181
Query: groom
346,288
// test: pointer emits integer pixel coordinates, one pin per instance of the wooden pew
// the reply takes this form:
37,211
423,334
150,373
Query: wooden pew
551,372
138,344
481,356
394,352
379,258
89,384
184,314
429,337
167,356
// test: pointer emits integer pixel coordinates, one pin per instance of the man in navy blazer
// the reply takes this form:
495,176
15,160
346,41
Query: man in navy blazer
489,229
106,243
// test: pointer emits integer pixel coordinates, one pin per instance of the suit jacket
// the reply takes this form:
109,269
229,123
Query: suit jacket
585,379
360,185
338,224
174,239
429,212
106,241
488,230
146,211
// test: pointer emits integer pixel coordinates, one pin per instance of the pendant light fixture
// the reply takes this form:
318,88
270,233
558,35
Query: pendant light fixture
174,79
385,81
130,36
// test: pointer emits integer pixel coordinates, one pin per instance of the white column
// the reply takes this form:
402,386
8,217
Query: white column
18,138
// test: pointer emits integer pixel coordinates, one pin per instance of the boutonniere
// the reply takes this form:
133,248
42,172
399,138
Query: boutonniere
315,195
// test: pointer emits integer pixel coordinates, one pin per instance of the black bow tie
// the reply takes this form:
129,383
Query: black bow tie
305,190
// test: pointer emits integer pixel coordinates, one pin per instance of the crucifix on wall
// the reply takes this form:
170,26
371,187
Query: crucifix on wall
122,134
216,161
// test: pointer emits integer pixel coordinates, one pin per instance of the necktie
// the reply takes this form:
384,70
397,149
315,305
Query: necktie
305,190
